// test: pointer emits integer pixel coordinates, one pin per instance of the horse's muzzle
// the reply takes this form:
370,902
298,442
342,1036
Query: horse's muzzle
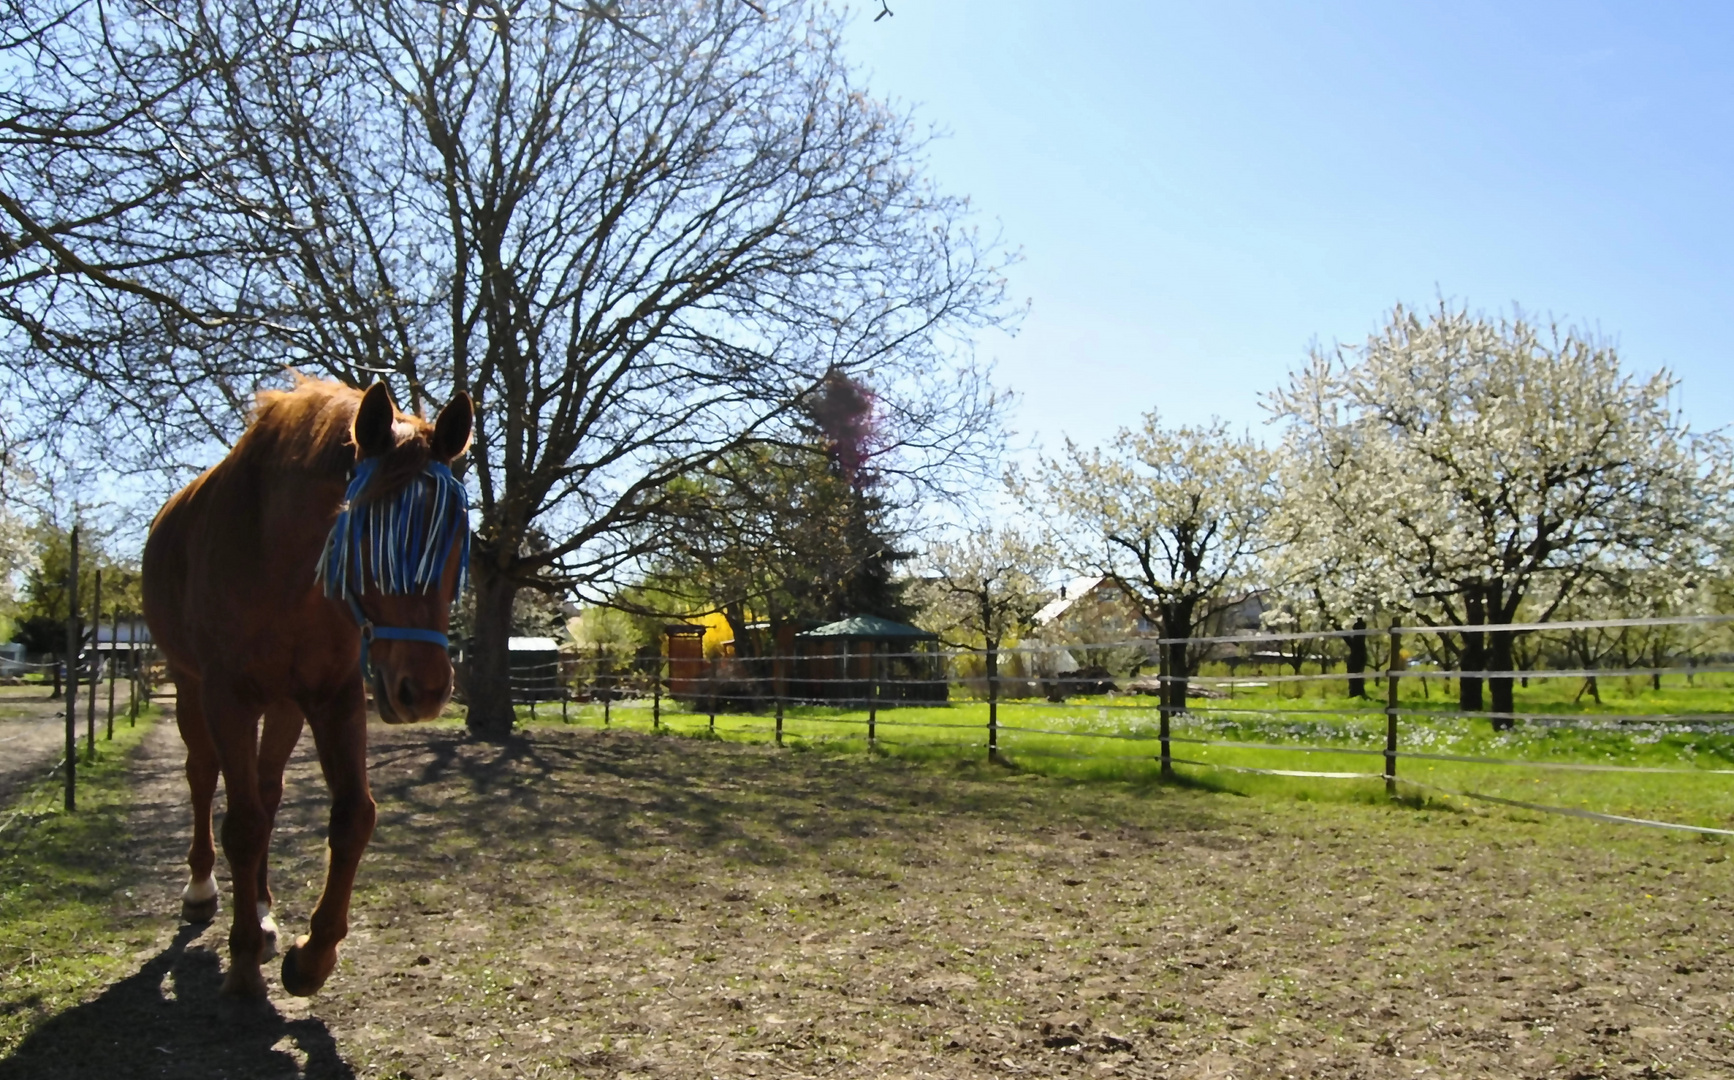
408,697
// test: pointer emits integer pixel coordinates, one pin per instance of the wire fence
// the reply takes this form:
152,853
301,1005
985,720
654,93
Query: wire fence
1235,695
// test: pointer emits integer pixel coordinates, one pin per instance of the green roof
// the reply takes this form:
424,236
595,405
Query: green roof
869,626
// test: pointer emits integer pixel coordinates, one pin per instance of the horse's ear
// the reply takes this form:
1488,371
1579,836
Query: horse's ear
451,435
372,427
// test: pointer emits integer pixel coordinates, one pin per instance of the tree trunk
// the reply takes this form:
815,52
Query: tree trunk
489,686
747,653
1176,623
1499,654
1474,656
1357,662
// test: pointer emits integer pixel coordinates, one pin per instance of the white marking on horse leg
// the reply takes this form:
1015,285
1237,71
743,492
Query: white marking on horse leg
268,929
199,901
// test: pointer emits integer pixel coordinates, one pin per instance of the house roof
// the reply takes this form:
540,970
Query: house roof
131,632
1070,593
869,626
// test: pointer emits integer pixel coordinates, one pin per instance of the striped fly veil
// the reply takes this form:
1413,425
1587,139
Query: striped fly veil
397,542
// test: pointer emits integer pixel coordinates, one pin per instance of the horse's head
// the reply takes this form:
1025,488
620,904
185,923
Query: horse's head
398,553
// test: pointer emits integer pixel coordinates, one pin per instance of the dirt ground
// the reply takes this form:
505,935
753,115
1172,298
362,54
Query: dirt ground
33,734
578,903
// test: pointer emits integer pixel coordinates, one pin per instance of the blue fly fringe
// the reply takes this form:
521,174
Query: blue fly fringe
400,542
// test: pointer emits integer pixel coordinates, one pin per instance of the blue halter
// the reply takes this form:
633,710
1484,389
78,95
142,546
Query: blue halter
399,543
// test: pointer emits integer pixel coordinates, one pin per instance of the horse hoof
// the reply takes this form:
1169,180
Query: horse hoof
199,911
296,981
239,1009
243,985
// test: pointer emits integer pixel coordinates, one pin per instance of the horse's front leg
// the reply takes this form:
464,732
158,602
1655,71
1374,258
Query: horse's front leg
199,898
282,732
234,727
340,733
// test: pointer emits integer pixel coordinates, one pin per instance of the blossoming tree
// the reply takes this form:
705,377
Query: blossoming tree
1466,470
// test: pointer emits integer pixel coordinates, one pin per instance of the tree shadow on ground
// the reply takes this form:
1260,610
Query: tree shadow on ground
630,791
163,1021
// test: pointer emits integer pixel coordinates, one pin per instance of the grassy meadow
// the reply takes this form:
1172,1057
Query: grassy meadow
68,920
1306,727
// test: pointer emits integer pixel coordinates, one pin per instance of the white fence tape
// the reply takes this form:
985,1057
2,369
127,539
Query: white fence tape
1570,811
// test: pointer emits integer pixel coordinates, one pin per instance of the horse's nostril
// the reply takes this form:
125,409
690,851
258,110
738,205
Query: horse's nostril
406,693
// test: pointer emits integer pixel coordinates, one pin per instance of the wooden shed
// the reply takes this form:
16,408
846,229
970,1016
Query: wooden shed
868,658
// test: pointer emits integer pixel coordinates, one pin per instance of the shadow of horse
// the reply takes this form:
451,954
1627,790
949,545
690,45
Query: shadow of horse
163,1021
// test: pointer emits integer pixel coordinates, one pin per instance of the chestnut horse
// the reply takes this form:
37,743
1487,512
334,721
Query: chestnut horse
332,538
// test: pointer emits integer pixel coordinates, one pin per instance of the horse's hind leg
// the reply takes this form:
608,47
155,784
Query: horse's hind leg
234,726
282,731
199,898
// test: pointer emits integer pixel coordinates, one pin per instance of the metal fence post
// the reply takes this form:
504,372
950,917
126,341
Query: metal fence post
656,694
713,695
1391,668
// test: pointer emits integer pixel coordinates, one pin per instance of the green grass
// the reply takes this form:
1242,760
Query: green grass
66,922
1067,741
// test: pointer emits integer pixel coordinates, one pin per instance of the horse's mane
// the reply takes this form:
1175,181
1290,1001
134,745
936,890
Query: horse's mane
401,512
307,428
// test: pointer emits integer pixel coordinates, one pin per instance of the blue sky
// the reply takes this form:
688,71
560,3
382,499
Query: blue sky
1200,190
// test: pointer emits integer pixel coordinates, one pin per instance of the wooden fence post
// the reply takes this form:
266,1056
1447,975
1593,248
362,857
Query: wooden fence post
72,637
873,695
656,694
1164,688
113,664
993,703
1391,669
713,695
777,684
95,669
132,689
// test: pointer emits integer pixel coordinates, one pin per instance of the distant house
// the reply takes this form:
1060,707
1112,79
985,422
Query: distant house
1242,615
1092,610
122,637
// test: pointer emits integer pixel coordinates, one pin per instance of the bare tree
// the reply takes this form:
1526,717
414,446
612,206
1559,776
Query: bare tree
637,233
86,163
